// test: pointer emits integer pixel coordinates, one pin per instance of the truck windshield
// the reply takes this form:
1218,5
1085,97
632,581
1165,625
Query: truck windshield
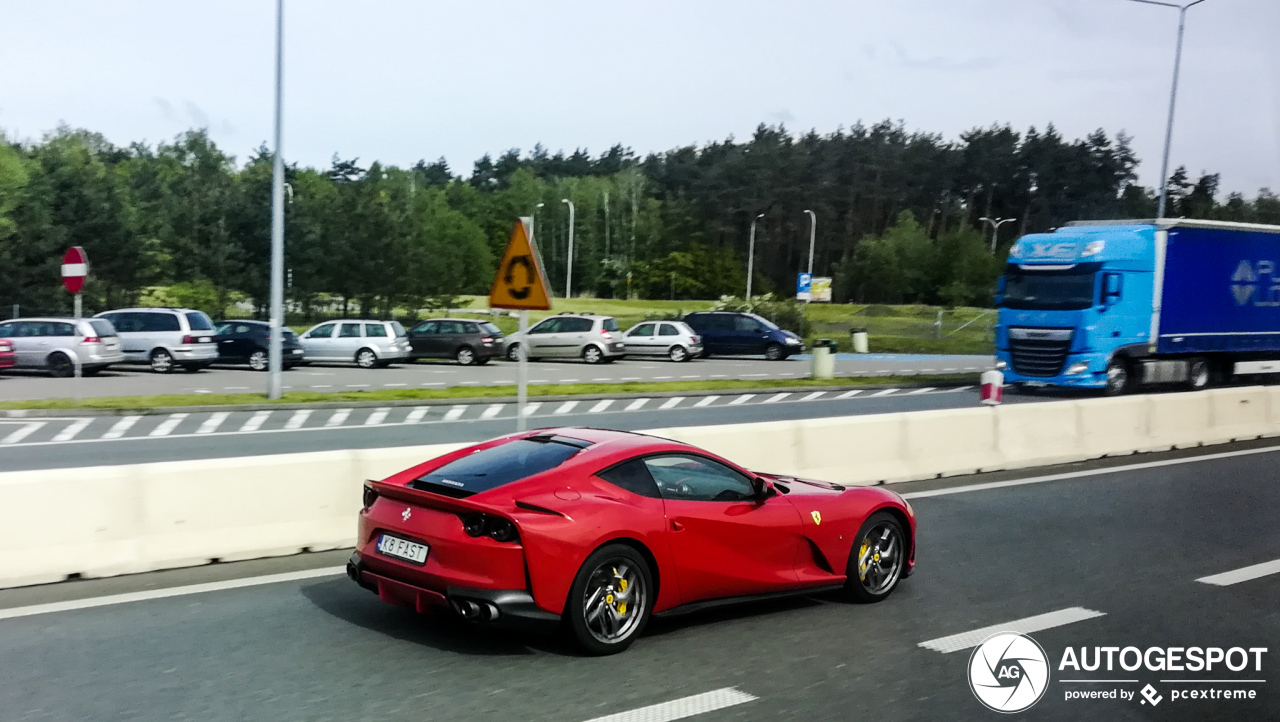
1066,290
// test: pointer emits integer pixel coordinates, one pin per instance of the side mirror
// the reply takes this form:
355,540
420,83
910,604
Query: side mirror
1112,287
764,489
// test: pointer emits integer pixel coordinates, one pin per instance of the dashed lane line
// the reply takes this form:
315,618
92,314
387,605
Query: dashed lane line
636,405
671,403
741,400
338,418
1235,576
455,412
298,419
417,414
775,398
601,406
492,411
24,432
120,427
167,426
73,430
886,392
682,708
256,421
849,394
378,416
1026,625
925,390
566,407
706,401
813,396
531,409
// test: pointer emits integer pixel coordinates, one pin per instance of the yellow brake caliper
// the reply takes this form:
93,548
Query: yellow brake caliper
622,587
864,566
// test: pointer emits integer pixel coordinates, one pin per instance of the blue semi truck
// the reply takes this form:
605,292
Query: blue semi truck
1114,305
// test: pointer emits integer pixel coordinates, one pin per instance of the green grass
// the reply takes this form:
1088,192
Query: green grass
465,392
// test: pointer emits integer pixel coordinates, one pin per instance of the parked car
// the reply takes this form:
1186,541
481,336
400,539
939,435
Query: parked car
465,340
729,333
672,339
249,342
7,357
55,344
368,344
165,338
594,339
586,530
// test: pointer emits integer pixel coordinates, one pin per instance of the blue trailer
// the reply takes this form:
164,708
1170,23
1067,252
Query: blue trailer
1116,304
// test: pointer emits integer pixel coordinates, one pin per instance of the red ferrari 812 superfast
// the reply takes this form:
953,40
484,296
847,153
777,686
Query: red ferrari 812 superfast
594,531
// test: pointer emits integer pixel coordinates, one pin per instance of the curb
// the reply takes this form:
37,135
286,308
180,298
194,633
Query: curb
56,413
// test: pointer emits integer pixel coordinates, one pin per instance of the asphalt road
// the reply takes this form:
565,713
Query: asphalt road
1128,544
43,443
137,380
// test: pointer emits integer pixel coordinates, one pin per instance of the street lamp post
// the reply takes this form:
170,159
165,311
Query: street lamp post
568,273
813,234
995,224
751,253
1173,98
275,380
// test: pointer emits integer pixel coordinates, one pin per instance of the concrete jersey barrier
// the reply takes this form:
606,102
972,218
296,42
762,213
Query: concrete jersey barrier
103,521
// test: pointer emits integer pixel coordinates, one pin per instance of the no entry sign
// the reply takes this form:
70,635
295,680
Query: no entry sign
75,268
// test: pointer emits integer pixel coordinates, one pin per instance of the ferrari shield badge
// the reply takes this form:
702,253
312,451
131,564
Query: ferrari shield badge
817,517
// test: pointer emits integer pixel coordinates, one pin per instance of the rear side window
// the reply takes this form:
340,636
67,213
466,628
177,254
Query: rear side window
490,328
198,321
611,324
374,329
158,322
633,476
60,329
349,330
499,465
668,330
575,325
745,323
398,329
102,327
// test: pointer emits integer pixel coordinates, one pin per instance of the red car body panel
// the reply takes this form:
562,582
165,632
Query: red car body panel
8,358
699,550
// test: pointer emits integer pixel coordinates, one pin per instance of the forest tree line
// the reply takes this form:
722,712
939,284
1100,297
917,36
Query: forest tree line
897,216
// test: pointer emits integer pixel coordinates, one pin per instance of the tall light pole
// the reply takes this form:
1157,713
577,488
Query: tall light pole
568,273
533,218
995,224
751,253
1173,99
275,381
813,234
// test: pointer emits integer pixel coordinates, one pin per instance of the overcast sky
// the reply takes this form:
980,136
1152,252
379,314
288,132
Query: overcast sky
400,80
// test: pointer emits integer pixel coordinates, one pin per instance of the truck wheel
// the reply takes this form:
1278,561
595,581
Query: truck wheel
1199,375
1117,377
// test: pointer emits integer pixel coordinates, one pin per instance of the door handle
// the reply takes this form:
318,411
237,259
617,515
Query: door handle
677,526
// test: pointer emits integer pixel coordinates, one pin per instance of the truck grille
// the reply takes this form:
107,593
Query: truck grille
1039,352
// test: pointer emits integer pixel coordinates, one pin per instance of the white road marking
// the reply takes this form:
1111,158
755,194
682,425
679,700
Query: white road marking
322,386
469,383
849,394
167,426
694,376
256,421
924,390
235,388
630,378
752,375
378,416
1245,574
601,406
298,419
73,430
568,381
605,379
338,418
529,409
886,392
946,370
388,385
741,400
492,411
24,432
681,708
635,405
706,401
212,423
775,398
671,403
1027,625
885,371
455,413
956,389
814,395
120,427
416,415
113,599
656,378
357,386
566,407
1082,474
718,376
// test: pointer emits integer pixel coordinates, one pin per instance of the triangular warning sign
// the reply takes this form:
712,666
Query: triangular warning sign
520,283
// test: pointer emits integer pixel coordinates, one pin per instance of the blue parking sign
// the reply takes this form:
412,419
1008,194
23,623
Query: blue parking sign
804,285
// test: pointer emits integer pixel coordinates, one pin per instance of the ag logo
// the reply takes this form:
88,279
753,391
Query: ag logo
1008,672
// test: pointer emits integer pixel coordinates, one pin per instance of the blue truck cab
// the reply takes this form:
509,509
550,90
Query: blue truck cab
1112,305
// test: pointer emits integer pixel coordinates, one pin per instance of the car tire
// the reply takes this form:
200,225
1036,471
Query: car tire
194,368
259,360
593,355
465,356
1118,379
877,559
161,361
366,359
775,352
60,366
91,370
610,600
483,361
678,353
513,352
1199,375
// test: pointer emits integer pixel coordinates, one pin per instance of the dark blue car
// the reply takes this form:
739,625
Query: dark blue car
729,333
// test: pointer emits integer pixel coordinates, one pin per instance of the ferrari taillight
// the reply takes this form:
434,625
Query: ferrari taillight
494,527
370,496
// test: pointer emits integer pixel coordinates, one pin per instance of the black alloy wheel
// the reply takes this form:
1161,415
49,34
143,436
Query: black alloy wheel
259,361
60,366
465,356
1117,377
678,353
610,600
878,557
775,352
161,361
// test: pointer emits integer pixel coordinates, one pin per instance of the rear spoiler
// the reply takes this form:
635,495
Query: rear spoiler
428,499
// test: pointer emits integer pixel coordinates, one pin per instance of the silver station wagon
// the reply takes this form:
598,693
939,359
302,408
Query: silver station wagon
367,344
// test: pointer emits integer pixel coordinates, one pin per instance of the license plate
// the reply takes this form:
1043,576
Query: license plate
394,546
296,350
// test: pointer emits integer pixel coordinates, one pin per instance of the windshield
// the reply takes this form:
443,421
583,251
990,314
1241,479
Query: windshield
499,465
1066,290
